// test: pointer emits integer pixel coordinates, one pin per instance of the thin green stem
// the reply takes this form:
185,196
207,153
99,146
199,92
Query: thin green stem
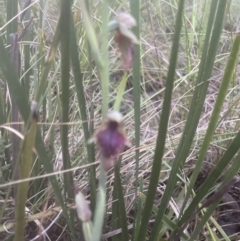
104,71
161,138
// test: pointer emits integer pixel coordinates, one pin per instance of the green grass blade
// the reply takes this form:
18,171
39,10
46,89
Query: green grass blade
64,20
46,161
205,69
231,173
228,74
18,93
219,229
27,67
101,60
2,114
119,206
136,75
204,73
209,52
104,72
195,110
12,10
169,223
212,178
47,65
78,80
87,230
121,202
159,150
139,210
91,34
203,221
15,60
25,169
115,222
103,67
198,89
65,62
120,92
171,72
12,79
100,206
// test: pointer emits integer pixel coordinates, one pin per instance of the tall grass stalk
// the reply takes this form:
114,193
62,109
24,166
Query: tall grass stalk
2,114
212,178
102,64
12,36
104,72
18,93
65,21
25,161
213,34
78,78
100,206
136,76
119,217
104,75
115,221
83,43
228,74
122,216
47,65
159,150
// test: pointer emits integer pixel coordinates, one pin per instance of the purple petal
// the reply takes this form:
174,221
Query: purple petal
110,141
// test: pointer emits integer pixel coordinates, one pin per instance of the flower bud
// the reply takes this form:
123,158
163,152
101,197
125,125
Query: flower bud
83,210
124,39
111,139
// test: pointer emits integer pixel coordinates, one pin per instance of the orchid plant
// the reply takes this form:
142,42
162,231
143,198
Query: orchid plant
110,137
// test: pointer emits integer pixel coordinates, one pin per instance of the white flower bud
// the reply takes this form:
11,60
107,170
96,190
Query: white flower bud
83,210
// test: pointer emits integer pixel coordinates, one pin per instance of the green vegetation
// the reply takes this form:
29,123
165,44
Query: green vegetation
119,120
